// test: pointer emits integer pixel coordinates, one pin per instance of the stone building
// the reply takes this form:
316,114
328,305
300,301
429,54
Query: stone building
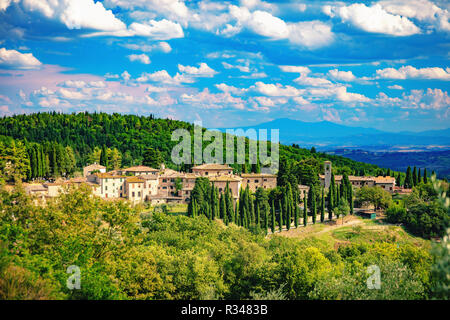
386,183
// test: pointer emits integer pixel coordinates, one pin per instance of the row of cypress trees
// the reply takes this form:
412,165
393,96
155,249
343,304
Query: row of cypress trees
254,213
414,178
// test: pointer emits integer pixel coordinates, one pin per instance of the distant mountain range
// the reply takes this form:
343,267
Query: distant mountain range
328,135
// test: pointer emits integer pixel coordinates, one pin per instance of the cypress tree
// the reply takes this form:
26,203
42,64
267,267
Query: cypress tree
350,199
419,177
305,212
296,215
409,183
398,181
333,190
425,177
280,216
273,217
313,206
223,209
286,212
322,208
414,176
266,219
258,223
330,204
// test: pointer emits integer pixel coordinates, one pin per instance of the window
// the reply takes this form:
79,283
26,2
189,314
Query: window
164,180
132,194
256,180
139,194
106,187
206,173
265,180
172,180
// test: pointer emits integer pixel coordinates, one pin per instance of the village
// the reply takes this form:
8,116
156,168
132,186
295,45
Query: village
140,184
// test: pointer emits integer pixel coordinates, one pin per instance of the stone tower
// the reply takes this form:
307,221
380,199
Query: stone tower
327,169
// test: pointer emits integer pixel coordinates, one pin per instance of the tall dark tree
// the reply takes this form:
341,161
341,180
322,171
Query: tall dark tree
409,183
104,156
322,207
305,209
414,177
280,216
296,215
272,225
419,177
330,204
425,176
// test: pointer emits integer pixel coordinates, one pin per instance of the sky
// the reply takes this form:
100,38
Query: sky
380,64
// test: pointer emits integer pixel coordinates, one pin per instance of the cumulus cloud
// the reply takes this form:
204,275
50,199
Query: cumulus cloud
81,84
162,76
373,19
338,92
160,46
208,100
203,71
143,58
431,99
76,14
16,60
311,34
422,10
410,72
276,90
395,87
231,89
346,76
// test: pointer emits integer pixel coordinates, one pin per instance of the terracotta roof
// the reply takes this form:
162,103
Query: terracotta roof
94,166
212,166
135,179
148,177
258,175
35,187
225,178
78,180
139,169
386,179
108,176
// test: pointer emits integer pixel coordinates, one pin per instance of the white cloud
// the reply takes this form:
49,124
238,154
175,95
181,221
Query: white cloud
174,9
231,89
373,19
422,10
341,75
311,34
143,58
160,30
239,67
203,71
208,100
276,90
431,99
410,72
163,76
395,87
16,60
160,46
339,93
76,14
296,69
81,84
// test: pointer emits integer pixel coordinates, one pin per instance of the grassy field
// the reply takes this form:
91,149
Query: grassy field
355,230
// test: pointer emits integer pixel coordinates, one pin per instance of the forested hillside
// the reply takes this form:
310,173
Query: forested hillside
57,144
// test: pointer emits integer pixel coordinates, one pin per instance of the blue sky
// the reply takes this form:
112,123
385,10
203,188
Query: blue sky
381,64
